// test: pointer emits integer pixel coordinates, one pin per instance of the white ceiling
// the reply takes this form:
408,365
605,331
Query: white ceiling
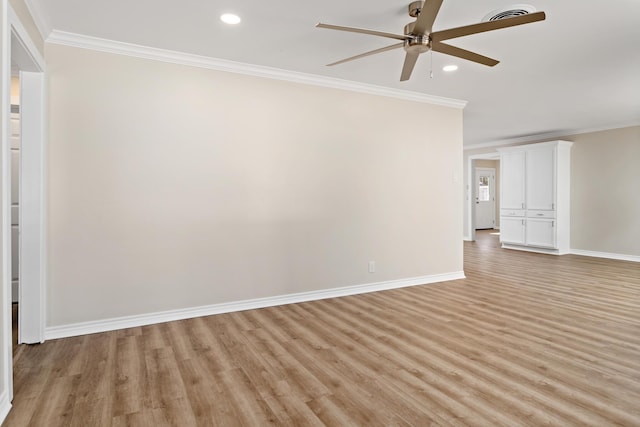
578,70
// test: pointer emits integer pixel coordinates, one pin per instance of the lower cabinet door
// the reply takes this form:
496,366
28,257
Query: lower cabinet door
541,232
512,230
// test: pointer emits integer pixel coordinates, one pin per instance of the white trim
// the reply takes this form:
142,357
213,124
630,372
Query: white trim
92,327
5,406
609,255
24,38
533,249
174,57
543,144
550,135
33,163
6,387
32,198
12,29
39,18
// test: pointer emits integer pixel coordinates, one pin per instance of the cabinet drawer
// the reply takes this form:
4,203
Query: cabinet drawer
541,214
512,212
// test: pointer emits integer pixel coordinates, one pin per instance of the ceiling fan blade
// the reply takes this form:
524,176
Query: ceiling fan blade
362,31
409,63
428,14
466,30
371,52
463,53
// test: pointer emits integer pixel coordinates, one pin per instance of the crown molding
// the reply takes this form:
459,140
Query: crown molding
155,54
541,137
39,18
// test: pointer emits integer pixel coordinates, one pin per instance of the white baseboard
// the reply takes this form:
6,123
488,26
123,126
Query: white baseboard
609,255
534,249
5,405
105,325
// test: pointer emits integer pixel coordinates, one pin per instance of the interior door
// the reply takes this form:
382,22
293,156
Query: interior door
485,189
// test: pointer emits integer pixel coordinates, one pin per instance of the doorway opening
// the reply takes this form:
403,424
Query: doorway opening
22,59
485,198
489,160
24,183
14,138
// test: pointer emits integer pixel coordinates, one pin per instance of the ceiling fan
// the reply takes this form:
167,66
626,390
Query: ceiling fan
418,37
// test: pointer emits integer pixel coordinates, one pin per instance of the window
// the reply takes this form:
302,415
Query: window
483,189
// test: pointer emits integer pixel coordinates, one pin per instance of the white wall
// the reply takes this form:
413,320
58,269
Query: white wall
605,178
174,187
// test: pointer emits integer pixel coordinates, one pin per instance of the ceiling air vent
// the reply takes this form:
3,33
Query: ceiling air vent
509,12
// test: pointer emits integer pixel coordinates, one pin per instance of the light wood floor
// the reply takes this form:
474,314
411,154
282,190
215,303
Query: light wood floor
526,339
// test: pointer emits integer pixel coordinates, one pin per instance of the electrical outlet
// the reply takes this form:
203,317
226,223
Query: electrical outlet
372,266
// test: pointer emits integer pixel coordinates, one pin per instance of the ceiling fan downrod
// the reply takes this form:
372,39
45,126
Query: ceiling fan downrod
415,8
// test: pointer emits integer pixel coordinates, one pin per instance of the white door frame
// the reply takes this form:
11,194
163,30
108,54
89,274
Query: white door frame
471,206
32,197
19,49
492,186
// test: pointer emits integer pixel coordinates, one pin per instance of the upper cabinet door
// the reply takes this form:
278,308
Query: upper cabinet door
512,179
541,178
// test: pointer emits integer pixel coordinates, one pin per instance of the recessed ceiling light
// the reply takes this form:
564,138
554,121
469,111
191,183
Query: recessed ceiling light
230,18
449,68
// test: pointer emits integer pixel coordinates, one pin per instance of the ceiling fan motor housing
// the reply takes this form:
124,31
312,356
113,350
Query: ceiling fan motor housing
417,44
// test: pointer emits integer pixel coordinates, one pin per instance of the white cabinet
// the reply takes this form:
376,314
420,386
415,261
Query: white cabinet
512,180
540,233
534,196
540,178
512,230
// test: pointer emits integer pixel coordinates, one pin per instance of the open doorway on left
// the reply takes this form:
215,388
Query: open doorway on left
15,202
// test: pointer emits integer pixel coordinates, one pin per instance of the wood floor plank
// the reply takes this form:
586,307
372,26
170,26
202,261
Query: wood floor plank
129,377
525,340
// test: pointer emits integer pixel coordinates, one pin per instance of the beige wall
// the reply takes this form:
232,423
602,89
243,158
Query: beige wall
605,178
605,190
27,20
174,187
